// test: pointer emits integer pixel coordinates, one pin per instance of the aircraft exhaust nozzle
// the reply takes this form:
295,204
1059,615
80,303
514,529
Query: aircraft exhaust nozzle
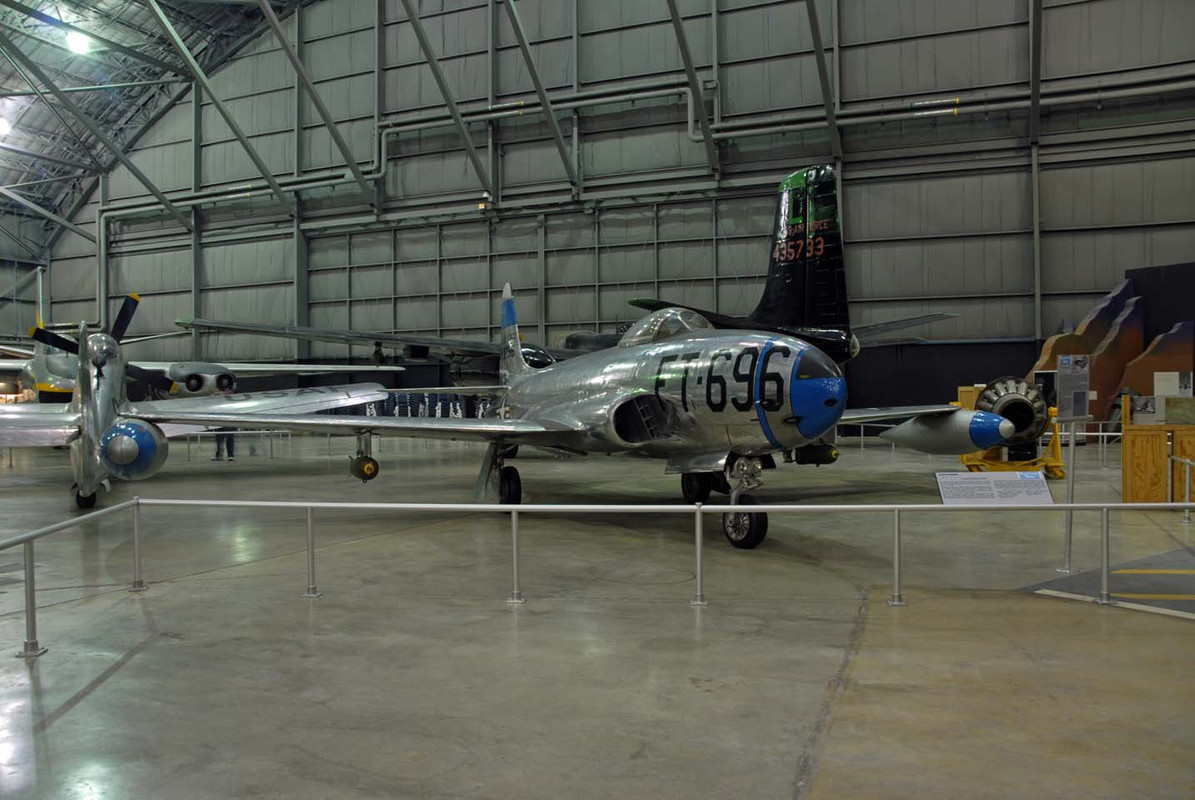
956,433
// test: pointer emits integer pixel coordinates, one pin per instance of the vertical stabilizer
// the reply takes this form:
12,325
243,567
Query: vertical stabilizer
512,362
806,282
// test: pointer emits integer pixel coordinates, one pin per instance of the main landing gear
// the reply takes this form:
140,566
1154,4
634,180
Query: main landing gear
744,529
85,500
364,465
494,470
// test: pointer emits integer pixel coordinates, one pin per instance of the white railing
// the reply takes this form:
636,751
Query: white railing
33,648
1187,464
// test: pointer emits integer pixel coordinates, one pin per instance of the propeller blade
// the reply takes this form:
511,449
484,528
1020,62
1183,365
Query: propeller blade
54,340
154,379
127,309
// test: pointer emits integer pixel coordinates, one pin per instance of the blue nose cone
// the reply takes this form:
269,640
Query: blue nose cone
818,393
988,429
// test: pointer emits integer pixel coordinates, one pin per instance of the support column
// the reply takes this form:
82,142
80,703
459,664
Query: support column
300,277
196,238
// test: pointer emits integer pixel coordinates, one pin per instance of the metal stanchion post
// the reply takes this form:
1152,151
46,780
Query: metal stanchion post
516,596
271,443
1187,510
1070,498
312,591
329,437
1104,556
138,582
861,432
188,447
698,537
896,599
31,649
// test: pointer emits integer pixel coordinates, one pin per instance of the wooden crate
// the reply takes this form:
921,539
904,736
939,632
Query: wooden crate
1183,447
1144,464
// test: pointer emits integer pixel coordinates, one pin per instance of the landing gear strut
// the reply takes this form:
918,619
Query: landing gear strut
744,529
493,470
363,465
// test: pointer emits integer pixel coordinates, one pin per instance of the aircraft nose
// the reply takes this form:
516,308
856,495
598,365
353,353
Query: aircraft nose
818,393
988,429
1007,429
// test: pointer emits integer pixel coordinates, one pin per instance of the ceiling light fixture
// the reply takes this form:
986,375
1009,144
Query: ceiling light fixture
5,127
77,42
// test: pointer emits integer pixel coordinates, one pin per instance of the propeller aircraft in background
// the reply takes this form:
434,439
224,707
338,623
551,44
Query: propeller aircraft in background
49,370
106,435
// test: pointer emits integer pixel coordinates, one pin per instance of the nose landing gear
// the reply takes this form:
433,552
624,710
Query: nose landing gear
744,529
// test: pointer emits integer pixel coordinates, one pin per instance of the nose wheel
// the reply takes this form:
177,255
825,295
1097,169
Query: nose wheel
85,500
744,529
510,487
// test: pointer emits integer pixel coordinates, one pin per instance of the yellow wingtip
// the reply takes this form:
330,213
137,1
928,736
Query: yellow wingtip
135,296
34,329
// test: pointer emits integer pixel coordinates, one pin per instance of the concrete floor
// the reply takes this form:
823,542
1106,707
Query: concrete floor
411,677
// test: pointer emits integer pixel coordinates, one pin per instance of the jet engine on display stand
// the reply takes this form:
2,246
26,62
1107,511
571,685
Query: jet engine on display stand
1023,403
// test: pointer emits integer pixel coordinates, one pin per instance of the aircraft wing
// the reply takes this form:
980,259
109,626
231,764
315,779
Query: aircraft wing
12,364
462,347
853,416
23,353
261,368
282,401
471,429
445,348
34,425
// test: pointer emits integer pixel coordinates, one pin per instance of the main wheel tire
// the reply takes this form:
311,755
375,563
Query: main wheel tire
85,500
744,529
510,487
696,486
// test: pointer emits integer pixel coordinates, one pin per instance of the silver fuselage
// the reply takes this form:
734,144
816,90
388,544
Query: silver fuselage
723,391
97,399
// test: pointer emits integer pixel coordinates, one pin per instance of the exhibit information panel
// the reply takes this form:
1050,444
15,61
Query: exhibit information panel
1074,387
994,488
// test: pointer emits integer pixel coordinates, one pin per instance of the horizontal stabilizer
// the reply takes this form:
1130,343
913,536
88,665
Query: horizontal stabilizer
868,333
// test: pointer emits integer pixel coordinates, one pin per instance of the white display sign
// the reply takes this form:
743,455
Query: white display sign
994,488
1073,387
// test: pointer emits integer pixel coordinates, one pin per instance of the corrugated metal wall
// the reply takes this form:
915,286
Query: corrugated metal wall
938,211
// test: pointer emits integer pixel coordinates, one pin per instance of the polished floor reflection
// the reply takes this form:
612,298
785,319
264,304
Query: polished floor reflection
411,676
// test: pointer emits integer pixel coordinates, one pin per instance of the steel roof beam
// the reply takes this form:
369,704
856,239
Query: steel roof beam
33,13
321,108
102,88
707,135
21,151
45,212
446,93
95,131
53,110
823,77
553,124
210,91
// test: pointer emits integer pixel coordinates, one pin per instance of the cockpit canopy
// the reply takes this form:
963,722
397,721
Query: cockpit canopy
664,324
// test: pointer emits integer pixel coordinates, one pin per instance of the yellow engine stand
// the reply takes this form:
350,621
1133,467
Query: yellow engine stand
994,459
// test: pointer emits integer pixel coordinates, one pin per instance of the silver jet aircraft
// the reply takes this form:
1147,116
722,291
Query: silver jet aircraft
715,404
110,437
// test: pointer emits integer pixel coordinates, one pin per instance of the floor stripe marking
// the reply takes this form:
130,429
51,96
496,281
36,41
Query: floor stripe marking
1139,596
1153,572
1166,612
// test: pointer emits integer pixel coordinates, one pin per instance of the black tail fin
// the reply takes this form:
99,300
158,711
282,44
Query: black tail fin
806,283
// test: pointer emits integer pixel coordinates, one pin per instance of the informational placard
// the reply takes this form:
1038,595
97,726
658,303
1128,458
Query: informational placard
1074,386
994,488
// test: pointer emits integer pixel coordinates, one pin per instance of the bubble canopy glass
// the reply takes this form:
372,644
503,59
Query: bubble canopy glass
664,324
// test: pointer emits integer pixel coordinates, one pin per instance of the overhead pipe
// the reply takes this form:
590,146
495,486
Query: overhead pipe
859,109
